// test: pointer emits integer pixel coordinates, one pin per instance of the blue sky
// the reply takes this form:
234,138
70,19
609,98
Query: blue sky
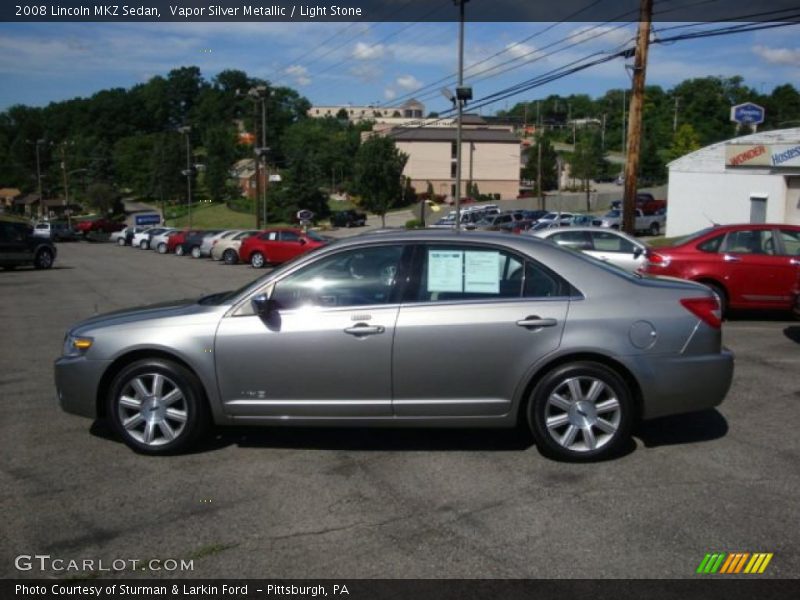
368,63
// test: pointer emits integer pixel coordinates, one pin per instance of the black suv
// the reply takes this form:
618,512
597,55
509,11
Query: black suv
18,246
348,218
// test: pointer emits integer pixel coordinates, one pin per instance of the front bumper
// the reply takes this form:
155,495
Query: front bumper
681,384
77,382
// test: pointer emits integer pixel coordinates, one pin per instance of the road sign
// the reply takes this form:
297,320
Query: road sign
747,114
304,215
149,219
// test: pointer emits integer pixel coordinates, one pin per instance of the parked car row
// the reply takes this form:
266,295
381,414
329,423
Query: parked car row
257,248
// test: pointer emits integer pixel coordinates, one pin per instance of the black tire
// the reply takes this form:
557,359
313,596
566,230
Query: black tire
179,250
258,260
721,294
230,257
607,443
162,248
43,259
193,404
654,229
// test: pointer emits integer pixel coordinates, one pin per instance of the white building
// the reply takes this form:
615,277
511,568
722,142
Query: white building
749,179
411,109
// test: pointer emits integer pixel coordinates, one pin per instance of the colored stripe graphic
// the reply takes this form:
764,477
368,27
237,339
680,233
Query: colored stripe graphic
734,563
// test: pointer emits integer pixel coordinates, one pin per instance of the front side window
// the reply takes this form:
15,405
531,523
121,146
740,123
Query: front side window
289,236
360,277
791,242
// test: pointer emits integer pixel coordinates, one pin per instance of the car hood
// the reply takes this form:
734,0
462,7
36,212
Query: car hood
150,312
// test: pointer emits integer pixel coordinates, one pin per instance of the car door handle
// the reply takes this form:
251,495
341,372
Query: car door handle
731,258
363,329
536,322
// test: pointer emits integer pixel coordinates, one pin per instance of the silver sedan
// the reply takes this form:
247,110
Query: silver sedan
608,245
360,332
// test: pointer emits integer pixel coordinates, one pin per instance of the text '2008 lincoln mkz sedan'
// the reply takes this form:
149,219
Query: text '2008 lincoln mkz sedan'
424,328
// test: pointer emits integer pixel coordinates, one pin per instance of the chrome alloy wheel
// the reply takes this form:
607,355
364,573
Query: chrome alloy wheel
582,414
152,409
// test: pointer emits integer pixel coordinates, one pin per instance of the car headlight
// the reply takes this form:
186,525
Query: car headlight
76,345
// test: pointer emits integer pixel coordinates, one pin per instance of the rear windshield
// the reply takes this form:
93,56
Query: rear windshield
692,236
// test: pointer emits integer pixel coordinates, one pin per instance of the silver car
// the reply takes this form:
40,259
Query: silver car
614,247
425,328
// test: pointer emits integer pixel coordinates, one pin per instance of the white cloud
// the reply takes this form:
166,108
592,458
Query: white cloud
778,56
299,73
366,72
364,51
520,50
408,83
600,34
389,93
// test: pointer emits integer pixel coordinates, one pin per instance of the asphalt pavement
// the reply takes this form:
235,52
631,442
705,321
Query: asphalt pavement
351,503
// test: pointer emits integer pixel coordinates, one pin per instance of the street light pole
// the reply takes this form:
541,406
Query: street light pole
460,109
39,178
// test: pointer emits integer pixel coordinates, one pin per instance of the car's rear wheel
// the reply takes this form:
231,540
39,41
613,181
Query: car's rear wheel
157,407
581,411
162,248
43,259
230,257
143,244
257,260
179,250
196,252
654,229
121,241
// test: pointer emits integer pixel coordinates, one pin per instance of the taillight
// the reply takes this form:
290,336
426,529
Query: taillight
657,260
707,309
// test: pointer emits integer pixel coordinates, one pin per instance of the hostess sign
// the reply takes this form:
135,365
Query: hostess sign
747,114
762,155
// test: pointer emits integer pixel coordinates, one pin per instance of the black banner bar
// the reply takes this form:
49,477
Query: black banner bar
702,588
392,10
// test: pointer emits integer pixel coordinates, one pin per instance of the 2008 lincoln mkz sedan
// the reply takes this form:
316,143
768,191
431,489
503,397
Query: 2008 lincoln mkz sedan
424,328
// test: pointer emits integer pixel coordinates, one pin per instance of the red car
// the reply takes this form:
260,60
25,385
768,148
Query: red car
278,246
177,238
101,225
749,266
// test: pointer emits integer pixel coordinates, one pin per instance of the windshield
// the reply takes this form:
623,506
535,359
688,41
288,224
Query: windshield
692,236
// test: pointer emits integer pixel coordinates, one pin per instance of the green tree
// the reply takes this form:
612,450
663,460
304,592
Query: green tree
342,114
220,146
102,197
549,163
588,161
377,179
684,141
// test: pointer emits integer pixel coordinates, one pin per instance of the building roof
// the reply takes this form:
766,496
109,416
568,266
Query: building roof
711,159
9,193
448,134
26,200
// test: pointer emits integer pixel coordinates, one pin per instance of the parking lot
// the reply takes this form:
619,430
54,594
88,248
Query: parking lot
348,503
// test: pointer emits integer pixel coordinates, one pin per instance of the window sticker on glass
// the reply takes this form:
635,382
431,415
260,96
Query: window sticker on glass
482,272
445,268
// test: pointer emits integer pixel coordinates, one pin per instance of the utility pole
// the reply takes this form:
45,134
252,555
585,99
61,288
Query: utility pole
624,145
186,130
257,164
603,134
539,157
635,117
263,153
64,175
39,178
675,115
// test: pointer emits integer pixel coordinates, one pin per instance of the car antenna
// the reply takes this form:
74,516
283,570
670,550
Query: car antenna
710,220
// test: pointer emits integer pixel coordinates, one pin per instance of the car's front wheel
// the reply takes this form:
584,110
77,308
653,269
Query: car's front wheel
581,411
257,260
162,248
196,252
654,229
157,407
230,257
44,259
143,244
121,241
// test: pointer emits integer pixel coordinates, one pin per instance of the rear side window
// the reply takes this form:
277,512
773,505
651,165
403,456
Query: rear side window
609,242
712,245
289,236
573,239
791,242
453,273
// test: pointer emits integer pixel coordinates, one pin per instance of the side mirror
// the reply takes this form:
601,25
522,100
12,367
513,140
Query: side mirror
302,241
637,252
262,305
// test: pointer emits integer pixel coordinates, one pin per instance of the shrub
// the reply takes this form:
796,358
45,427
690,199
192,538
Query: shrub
414,224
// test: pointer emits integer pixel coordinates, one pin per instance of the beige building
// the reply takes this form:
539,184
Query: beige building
490,158
412,109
